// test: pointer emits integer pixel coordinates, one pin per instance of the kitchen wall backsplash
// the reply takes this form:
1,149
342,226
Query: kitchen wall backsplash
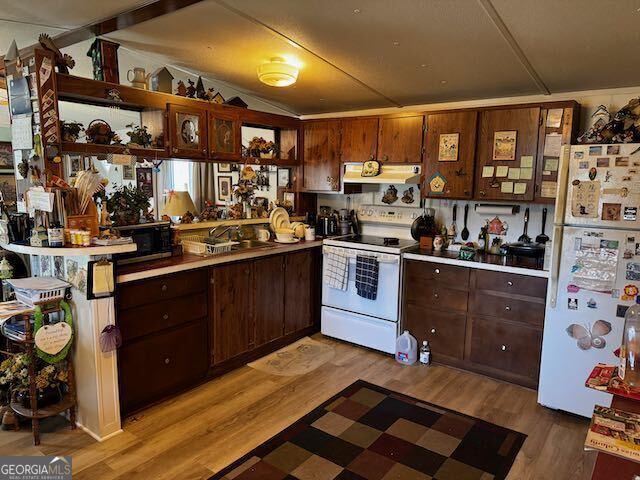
372,195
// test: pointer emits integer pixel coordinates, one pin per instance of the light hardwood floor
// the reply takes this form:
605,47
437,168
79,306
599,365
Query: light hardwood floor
203,430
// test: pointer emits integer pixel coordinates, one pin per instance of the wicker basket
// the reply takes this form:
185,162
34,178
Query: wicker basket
195,244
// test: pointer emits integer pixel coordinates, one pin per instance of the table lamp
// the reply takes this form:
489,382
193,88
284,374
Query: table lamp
178,203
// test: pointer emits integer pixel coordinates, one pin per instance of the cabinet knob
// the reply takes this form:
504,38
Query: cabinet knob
165,316
175,150
246,271
436,295
433,330
510,283
204,151
482,193
503,348
164,287
437,271
167,361
507,308
386,158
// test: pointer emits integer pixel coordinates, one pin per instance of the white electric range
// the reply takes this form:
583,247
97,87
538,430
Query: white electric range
386,233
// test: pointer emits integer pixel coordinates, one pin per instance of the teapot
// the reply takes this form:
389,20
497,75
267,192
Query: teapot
138,78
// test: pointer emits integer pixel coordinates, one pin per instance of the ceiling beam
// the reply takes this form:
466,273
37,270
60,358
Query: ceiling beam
506,34
295,44
120,21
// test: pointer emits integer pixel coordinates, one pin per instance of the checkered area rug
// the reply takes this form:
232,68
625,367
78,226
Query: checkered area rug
369,432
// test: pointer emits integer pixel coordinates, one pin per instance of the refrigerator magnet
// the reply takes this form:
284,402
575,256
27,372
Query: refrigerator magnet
588,336
615,293
621,310
630,214
593,173
591,303
572,303
602,162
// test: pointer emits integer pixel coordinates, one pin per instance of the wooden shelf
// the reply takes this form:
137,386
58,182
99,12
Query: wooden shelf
96,149
45,412
70,251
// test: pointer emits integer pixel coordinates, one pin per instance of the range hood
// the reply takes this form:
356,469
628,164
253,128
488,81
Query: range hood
395,174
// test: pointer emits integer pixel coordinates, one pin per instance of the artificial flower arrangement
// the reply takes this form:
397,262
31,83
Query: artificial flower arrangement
50,380
139,136
259,147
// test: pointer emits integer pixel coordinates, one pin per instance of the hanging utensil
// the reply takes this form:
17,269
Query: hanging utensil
542,238
452,230
524,238
465,231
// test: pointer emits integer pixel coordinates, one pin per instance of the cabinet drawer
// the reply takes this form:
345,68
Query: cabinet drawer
161,364
420,274
512,348
438,296
510,283
140,321
444,330
507,307
162,288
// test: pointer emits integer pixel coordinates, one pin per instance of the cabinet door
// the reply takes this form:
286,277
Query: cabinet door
224,136
231,310
444,330
450,145
359,139
187,132
300,296
268,299
400,139
497,129
321,155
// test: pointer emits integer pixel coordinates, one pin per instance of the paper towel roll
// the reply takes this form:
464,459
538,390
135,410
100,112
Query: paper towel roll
495,209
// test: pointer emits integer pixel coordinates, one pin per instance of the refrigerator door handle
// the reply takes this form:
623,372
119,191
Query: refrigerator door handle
556,246
563,185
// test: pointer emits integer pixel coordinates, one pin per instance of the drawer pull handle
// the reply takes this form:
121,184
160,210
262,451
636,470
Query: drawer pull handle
510,283
503,348
164,287
167,361
507,308
165,316
436,295
433,330
437,270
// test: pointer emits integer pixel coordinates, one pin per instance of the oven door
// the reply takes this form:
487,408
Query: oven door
387,301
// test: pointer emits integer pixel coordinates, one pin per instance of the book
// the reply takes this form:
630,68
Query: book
615,432
605,378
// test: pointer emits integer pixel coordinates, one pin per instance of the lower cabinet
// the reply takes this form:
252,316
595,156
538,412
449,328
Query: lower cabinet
491,324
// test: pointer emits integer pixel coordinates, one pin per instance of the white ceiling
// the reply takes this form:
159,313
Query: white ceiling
358,54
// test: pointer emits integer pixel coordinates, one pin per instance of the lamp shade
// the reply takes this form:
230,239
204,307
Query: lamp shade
178,203
277,73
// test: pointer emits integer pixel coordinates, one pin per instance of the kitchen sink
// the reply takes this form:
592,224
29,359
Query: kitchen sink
244,244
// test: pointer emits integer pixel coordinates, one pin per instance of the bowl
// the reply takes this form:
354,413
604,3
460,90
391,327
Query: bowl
284,236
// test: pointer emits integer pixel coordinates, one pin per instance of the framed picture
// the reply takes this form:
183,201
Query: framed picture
6,156
448,147
144,180
8,188
284,177
128,172
224,167
504,145
224,136
188,135
224,188
74,164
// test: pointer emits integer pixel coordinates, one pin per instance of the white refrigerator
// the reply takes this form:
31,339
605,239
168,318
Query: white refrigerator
594,272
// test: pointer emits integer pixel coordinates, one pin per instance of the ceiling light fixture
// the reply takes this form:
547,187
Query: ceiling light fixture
277,73
356,10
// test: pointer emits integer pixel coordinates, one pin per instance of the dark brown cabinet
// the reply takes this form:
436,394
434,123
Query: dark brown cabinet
321,169
224,136
505,124
484,321
187,132
301,272
231,310
457,169
359,139
268,298
400,139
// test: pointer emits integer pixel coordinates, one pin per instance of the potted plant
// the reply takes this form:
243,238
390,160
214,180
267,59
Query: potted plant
71,131
259,147
139,136
126,205
50,380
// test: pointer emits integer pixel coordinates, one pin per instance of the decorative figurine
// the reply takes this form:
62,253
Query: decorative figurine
236,102
181,91
407,196
218,98
390,196
497,227
191,89
161,81
210,94
63,62
200,91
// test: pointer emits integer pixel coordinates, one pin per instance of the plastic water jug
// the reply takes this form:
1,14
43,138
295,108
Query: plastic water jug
406,349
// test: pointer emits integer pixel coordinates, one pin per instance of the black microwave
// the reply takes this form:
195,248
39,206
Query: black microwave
153,241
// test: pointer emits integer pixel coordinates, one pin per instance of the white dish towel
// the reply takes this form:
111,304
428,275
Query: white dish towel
337,272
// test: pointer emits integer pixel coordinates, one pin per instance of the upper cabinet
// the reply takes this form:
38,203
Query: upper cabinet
400,139
450,142
507,151
322,155
224,136
359,139
187,132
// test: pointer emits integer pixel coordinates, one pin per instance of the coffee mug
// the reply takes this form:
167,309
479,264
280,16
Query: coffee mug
309,233
263,235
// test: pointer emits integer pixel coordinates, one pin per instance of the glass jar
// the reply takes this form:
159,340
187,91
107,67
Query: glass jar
629,370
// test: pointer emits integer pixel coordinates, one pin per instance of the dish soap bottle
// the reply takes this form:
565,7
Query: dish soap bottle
629,370
425,353
406,349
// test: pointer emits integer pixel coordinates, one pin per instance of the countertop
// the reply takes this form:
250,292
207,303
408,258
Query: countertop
70,251
187,261
498,263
